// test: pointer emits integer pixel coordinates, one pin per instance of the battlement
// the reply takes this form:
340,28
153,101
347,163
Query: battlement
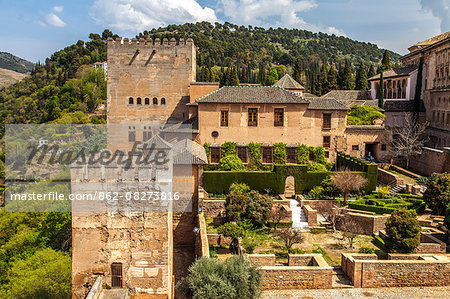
149,43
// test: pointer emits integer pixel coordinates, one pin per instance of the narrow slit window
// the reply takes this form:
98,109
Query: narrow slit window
147,101
139,101
130,101
155,101
163,101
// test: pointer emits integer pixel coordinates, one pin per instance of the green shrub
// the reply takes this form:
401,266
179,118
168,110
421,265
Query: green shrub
363,115
228,148
233,278
239,188
402,232
251,206
231,230
437,195
319,155
365,249
303,154
296,251
279,153
231,162
316,192
317,167
383,191
254,155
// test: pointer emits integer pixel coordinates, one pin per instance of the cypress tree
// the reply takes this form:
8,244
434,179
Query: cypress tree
418,92
381,92
386,62
323,82
371,71
297,71
332,79
234,79
347,76
361,78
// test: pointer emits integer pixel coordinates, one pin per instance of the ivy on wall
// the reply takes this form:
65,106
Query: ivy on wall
228,148
254,156
302,154
279,153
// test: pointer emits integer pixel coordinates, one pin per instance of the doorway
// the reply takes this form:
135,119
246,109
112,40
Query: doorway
116,274
289,189
371,151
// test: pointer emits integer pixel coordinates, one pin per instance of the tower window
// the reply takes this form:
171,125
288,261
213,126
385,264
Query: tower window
147,101
163,101
139,101
155,101
130,101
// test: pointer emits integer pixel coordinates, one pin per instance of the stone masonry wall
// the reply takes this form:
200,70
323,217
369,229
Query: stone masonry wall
296,277
431,160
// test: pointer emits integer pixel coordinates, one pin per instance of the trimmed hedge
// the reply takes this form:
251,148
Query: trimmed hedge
370,208
355,164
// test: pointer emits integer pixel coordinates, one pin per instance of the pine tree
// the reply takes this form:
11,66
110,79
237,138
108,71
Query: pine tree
386,63
381,92
347,76
323,82
332,79
361,78
297,71
371,72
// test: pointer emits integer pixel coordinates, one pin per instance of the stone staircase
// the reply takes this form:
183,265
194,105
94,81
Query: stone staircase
340,280
299,221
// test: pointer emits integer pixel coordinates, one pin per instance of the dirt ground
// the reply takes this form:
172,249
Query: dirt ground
331,244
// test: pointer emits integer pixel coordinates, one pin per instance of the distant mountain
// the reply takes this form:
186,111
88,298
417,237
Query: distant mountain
8,77
14,63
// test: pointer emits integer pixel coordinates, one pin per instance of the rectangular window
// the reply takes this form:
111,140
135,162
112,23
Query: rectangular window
252,117
131,136
279,117
383,147
355,147
147,135
326,121
215,154
326,141
224,118
242,153
267,154
291,155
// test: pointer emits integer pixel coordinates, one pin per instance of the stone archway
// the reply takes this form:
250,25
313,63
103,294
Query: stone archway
289,189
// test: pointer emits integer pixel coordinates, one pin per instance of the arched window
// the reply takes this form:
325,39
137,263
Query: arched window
130,101
163,101
139,101
147,101
155,101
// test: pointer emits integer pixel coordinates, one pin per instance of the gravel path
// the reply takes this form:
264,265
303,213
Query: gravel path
394,293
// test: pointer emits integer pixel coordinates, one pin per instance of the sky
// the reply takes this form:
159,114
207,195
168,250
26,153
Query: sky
34,29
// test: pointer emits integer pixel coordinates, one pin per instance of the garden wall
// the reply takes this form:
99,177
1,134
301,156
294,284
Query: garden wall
317,276
262,259
213,207
201,240
404,270
388,178
366,224
431,160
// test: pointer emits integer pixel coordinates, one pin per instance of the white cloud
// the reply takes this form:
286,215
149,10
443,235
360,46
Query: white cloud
439,9
138,15
51,20
278,13
58,8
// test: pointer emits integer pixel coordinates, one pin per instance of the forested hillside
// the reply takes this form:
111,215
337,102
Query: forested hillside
253,52
14,63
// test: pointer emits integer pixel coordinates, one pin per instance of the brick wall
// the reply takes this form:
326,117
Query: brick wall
216,239
262,259
431,160
399,271
296,277
212,208
366,224
388,178
311,215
